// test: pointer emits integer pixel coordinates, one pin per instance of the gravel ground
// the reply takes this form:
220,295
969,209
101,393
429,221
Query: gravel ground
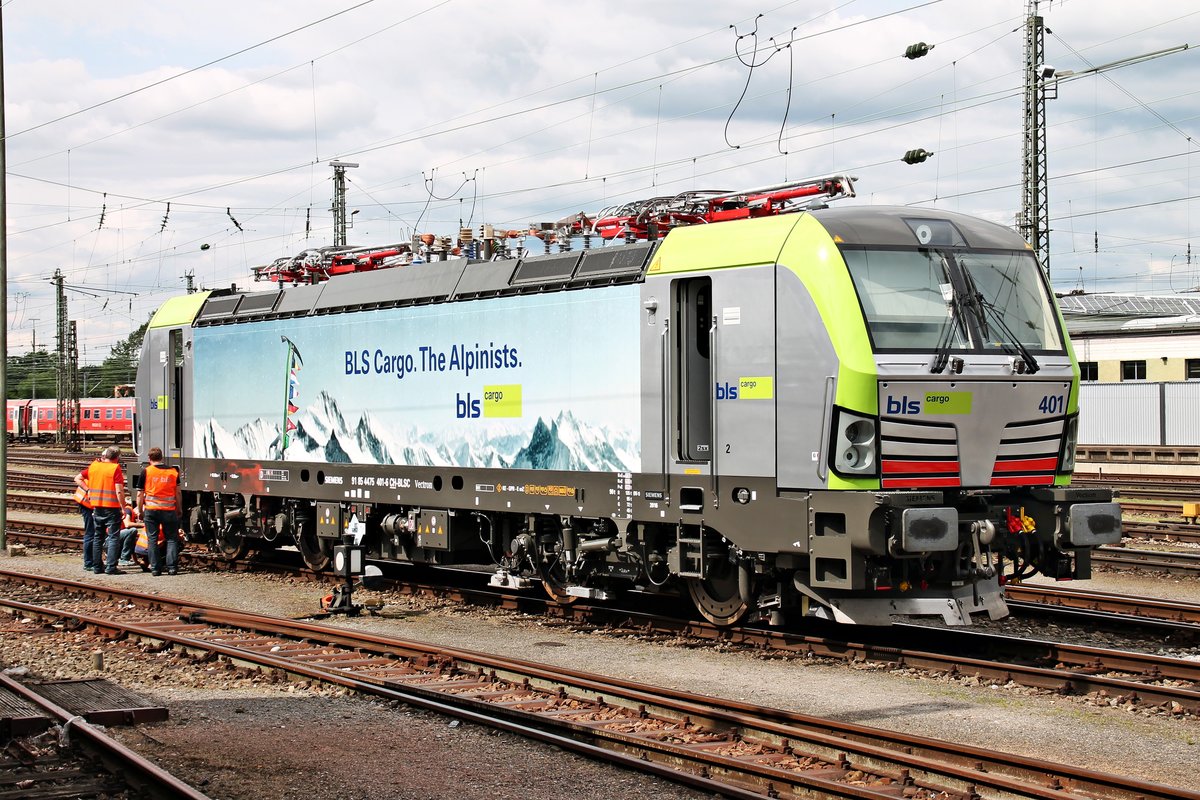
241,735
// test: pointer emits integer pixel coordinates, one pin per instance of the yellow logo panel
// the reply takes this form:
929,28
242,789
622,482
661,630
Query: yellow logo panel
502,400
947,402
760,388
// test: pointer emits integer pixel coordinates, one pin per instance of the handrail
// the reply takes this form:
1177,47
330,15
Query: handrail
712,382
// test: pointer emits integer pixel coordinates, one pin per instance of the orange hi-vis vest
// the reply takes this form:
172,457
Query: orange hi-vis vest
81,497
102,485
160,483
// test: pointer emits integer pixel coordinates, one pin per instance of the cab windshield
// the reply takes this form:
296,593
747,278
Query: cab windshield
928,299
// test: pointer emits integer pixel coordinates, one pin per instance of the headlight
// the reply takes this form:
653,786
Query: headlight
1066,461
854,444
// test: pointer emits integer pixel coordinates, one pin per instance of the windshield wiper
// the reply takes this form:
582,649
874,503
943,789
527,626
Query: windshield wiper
987,309
941,353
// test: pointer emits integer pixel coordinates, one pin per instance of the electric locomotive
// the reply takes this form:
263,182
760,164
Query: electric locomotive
778,407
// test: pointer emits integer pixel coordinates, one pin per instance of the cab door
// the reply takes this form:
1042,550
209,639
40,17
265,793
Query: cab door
727,373
162,365
695,331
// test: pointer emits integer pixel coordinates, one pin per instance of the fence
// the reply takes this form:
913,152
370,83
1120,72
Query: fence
1140,413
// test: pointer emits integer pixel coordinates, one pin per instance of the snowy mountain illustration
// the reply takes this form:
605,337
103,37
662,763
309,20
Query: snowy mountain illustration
258,439
322,434
566,444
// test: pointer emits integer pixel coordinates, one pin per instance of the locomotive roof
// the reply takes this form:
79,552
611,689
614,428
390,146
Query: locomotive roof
887,225
434,282
462,279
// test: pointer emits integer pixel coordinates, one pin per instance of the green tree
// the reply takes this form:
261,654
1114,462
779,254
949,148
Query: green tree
32,375
120,366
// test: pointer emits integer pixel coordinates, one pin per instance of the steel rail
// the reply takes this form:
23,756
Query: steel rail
1075,668
134,769
1153,560
1162,531
1140,607
48,503
655,758
756,727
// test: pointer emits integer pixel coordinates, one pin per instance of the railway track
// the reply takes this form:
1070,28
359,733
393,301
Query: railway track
45,503
1162,530
1140,608
731,748
39,482
50,459
1166,561
81,761
1138,678
1161,486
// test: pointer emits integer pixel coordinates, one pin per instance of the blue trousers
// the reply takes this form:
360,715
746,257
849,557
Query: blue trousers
89,534
168,522
107,538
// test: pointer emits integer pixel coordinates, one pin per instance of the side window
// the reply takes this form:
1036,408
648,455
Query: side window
176,392
694,312
1133,370
108,413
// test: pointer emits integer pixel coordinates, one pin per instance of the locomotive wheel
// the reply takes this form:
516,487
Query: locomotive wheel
716,597
231,542
199,526
554,582
309,546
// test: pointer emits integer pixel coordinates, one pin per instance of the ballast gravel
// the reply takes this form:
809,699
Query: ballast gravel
236,734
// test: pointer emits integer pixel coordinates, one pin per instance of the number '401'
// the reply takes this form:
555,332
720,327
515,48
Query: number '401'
1052,404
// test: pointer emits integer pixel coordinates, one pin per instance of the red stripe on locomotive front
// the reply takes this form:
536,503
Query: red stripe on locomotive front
1022,480
919,467
900,483
1028,465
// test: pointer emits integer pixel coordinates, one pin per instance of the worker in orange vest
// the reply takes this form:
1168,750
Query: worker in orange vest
85,511
106,495
159,502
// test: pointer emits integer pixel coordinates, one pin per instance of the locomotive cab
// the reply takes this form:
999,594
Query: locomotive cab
956,458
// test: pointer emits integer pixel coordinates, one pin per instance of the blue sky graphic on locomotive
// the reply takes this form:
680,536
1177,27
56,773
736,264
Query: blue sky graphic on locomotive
533,382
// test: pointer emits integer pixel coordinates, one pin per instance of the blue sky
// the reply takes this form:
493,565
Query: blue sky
521,113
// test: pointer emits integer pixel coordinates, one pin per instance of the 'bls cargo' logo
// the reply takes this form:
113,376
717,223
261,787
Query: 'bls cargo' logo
727,391
466,408
501,400
902,405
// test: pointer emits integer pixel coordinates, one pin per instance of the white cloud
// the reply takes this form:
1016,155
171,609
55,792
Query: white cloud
503,92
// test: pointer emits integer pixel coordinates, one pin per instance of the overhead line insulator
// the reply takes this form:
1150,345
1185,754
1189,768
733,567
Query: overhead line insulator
917,50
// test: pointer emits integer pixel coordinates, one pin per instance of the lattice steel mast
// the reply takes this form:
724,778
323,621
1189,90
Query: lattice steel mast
66,374
339,201
1034,222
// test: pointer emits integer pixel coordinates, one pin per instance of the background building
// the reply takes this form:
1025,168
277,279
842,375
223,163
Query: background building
1120,338
1140,366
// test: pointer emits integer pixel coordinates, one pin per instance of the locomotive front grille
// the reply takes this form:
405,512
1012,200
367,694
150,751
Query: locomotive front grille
918,454
1028,454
